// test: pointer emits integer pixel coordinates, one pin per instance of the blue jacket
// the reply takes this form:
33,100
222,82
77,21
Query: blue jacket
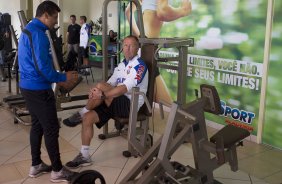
30,77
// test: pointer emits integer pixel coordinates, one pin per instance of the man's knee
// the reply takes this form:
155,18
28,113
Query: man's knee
90,118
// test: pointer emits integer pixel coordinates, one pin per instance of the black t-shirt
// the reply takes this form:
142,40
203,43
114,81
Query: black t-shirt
74,34
113,40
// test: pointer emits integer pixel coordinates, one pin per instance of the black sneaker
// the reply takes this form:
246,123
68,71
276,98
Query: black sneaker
73,120
64,175
38,170
79,161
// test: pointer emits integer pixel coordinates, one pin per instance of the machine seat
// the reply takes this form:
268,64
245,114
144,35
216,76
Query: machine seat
15,103
140,117
12,98
143,113
230,135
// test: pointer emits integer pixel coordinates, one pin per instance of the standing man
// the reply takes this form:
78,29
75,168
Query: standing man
37,75
83,44
73,35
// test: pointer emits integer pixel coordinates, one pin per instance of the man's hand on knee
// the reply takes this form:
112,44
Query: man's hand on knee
95,93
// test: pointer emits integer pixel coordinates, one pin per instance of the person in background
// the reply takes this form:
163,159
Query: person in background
83,44
112,47
113,37
73,35
37,75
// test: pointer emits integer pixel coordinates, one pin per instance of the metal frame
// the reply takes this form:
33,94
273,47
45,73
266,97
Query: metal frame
155,166
181,44
139,147
135,146
105,29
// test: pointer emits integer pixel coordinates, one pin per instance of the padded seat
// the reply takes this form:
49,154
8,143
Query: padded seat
15,102
140,117
230,135
13,97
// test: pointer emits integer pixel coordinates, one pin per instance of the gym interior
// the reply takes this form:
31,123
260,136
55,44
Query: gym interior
212,111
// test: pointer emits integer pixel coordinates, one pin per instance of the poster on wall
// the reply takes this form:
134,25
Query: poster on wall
228,51
272,132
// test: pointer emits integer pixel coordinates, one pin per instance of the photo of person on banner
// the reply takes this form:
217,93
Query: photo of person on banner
155,13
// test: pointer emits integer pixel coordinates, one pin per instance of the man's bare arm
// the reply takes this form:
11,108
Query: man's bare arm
116,91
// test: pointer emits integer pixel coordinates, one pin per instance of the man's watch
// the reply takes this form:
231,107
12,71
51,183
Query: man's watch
103,96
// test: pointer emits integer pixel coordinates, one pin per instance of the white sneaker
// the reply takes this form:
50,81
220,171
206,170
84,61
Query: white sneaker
64,175
79,161
39,169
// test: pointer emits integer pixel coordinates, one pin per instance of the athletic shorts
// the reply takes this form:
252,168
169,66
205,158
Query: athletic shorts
119,107
84,52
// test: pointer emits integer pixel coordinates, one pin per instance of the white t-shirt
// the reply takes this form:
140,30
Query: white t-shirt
84,35
133,73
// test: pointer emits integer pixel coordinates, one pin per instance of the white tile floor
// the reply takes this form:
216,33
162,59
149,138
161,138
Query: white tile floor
258,164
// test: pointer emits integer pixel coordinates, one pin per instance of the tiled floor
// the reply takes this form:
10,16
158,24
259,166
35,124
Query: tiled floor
258,164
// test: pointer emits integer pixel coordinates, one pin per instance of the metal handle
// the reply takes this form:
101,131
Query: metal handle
55,61
53,52
157,58
184,113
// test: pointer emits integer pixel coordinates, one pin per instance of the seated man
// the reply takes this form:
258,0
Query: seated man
111,98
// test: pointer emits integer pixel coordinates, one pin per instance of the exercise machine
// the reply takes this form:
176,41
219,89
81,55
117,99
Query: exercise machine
156,165
150,54
153,56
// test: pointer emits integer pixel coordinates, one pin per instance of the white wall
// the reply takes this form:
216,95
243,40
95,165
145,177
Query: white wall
92,9
96,11
78,8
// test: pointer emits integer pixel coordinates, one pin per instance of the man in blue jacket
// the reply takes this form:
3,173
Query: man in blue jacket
37,75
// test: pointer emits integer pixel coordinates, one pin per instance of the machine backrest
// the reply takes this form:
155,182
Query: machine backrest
147,54
213,104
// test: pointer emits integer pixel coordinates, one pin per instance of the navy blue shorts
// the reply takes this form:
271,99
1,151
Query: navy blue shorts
119,107
84,52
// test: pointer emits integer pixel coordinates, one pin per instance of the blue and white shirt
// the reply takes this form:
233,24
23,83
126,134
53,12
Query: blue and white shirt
84,35
132,73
